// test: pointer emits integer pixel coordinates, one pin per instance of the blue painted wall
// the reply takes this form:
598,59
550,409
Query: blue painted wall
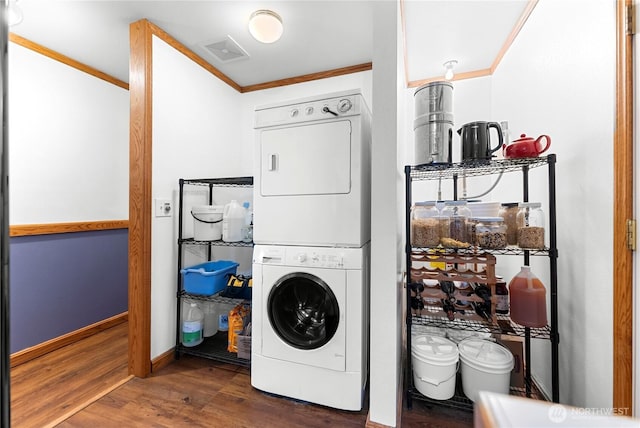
63,282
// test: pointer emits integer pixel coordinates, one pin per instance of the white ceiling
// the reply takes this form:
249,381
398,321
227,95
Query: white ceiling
318,36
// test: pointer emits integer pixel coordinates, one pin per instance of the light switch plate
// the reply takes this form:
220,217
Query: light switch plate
164,208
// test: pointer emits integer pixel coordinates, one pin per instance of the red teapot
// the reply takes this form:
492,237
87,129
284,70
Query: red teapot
526,147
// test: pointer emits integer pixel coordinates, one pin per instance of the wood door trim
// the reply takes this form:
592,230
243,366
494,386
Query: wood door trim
622,211
140,198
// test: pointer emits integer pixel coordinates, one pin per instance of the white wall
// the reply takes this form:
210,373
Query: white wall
558,79
196,134
386,243
68,143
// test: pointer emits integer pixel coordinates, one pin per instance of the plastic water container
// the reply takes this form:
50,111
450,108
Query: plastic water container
210,310
192,326
207,222
484,366
233,221
435,361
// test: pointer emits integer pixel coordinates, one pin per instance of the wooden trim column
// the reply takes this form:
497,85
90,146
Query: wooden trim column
140,198
622,212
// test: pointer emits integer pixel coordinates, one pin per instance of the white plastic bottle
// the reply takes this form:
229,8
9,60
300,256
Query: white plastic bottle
210,319
233,218
193,326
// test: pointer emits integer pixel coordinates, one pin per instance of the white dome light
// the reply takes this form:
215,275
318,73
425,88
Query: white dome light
265,26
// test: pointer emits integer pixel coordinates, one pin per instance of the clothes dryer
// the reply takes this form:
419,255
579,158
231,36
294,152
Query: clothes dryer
312,172
310,312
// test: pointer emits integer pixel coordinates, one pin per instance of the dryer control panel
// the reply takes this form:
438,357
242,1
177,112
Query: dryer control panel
307,110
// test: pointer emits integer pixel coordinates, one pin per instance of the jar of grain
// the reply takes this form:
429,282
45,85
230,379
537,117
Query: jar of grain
491,233
530,221
509,211
425,230
457,212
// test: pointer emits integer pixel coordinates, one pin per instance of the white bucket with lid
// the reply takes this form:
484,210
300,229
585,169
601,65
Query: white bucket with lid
434,360
485,366
207,222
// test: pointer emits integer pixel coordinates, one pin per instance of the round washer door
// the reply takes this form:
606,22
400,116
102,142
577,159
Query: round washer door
303,311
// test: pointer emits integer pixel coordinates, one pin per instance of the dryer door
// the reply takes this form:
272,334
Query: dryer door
311,159
303,318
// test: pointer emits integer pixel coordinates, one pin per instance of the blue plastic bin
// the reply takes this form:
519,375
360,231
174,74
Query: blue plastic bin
208,278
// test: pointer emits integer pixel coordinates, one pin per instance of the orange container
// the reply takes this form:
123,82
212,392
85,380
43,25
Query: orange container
528,299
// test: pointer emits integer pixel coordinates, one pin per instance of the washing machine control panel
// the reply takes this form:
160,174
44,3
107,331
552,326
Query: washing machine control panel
317,258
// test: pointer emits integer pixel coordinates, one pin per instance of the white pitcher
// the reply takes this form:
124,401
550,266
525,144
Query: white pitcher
233,218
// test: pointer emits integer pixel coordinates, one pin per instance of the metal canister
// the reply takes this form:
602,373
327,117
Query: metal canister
433,124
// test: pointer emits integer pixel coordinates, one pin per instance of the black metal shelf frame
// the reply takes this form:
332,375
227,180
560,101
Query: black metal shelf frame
215,347
550,332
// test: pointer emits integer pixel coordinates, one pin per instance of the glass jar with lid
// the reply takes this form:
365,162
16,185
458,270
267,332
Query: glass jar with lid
457,214
509,211
491,233
530,220
425,230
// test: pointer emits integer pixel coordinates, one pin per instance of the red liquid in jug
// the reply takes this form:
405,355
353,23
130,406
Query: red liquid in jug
527,299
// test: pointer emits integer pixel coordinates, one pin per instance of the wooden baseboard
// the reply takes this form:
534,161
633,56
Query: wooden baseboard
163,360
36,351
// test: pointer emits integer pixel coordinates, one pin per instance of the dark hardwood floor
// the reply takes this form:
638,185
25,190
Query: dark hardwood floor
60,389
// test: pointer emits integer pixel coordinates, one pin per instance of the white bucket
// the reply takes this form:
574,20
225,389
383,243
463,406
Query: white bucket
434,360
207,222
485,366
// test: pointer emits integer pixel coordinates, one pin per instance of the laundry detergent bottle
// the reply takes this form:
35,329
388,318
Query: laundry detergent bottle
193,326
527,299
233,221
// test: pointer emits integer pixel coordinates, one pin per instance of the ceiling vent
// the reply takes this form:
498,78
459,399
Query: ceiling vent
226,50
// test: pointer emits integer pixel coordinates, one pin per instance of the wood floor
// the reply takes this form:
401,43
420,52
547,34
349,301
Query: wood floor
60,389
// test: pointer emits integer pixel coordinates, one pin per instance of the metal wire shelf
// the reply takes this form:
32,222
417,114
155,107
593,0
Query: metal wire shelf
475,251
476,168
220,182
219,243
503,325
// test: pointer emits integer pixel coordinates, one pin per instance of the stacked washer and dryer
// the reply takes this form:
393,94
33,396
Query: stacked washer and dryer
310,304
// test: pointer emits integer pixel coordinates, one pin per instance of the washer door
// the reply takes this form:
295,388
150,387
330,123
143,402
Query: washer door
303,311
302,316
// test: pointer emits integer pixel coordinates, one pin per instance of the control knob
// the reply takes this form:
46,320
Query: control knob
302,257
344,105
294,112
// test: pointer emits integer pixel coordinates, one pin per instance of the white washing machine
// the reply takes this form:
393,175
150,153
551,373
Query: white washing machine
312,172
310,312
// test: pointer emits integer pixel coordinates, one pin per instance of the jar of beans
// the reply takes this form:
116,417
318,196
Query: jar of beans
491,233
530,220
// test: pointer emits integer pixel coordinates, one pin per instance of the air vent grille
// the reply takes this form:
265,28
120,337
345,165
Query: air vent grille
226,50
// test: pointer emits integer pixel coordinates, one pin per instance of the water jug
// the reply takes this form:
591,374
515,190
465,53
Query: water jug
233,218
210,310
193,326
527,299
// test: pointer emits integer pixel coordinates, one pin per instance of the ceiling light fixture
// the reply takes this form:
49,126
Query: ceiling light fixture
14,13
448,66
265,26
